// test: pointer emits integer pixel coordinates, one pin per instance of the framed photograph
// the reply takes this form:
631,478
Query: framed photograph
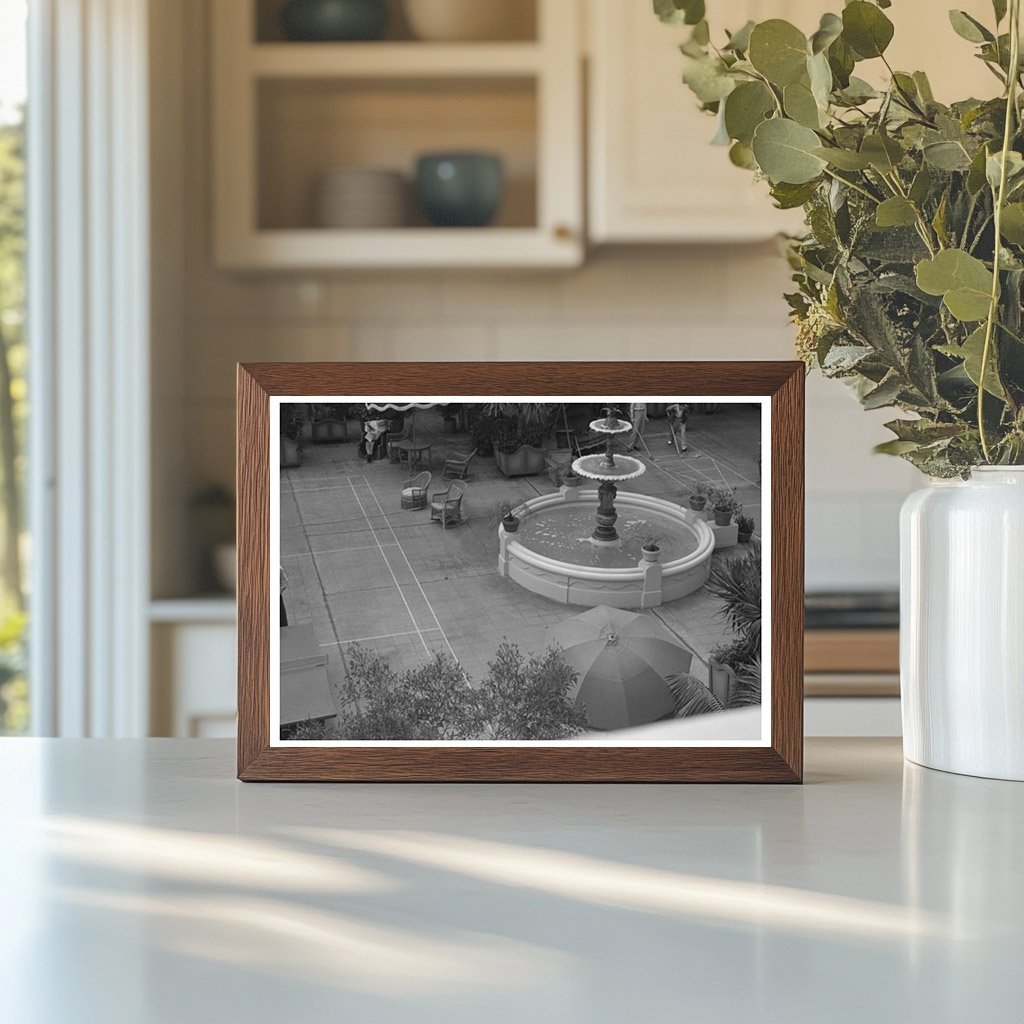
516,572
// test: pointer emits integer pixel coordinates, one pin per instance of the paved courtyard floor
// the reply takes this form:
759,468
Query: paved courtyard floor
361,570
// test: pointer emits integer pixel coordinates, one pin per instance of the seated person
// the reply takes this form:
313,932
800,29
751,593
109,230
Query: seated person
374,433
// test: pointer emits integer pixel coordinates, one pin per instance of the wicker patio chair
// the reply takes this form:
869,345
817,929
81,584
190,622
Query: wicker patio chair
414,492
394,452
457,464
446,505
557,462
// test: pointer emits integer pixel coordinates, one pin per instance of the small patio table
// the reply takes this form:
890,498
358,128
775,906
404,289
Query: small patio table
412,452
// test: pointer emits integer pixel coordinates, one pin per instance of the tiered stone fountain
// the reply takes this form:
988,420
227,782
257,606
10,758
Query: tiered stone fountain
609,472
584,546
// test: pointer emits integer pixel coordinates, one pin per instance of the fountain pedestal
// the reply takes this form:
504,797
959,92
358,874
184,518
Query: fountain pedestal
606,470
605,532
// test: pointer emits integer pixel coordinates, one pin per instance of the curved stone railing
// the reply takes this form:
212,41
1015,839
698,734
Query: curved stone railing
646,585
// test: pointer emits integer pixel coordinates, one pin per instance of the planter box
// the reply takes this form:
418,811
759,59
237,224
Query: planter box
526,461
721,680
725,536
330,431
291,457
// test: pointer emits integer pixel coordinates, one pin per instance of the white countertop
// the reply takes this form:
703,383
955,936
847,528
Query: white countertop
143,885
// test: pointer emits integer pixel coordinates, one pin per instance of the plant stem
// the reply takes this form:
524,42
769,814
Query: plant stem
853,185
993,309
923,228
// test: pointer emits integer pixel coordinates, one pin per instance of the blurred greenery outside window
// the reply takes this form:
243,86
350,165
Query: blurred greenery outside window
14,693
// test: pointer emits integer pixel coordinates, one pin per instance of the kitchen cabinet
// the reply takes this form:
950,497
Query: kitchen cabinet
653,175
287,113
192,648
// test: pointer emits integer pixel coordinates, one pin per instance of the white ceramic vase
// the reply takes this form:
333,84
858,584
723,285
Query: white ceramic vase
962,624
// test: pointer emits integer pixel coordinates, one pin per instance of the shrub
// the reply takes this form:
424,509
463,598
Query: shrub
738,584
519,700
530,700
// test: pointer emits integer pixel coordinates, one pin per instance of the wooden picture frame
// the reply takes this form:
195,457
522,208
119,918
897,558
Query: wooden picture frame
780,386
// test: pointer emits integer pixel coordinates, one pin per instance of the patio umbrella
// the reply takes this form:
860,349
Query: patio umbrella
628,665
402,407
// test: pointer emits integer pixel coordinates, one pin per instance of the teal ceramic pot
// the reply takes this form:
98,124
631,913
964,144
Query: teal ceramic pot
333,21
461,190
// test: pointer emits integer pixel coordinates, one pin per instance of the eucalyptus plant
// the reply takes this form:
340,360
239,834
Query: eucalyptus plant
909,280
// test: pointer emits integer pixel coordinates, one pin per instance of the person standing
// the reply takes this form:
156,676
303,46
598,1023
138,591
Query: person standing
638,417
678,416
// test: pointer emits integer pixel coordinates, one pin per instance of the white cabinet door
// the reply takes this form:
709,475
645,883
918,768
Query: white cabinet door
653,175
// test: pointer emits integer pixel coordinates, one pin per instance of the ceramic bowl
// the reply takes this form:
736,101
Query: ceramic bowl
357,197
460,189
334,20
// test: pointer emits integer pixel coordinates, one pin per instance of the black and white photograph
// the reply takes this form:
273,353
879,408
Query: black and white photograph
511,572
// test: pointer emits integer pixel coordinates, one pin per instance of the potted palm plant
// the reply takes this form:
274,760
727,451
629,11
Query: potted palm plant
650,549
519,438
908,288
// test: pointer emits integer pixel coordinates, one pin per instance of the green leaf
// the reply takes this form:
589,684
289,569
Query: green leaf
971,352
896,212
924,87
820,76
844,159
708,80
789,197
976,174
800,105
895,447
785,152
969,28
885,394
830,29
778,50
1014,169
947,156
745,108
739,41
676,12
963,281
883,153
921,185
999,7
741,155
858,91
866,29
939,220
1012,225
841,60
923,431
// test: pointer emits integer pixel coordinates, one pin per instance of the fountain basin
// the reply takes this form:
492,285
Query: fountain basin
550,555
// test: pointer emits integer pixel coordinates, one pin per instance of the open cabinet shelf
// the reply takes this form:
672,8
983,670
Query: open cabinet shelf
394,60
287,114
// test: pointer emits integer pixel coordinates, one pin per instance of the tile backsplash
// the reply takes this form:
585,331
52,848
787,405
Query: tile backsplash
699,303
